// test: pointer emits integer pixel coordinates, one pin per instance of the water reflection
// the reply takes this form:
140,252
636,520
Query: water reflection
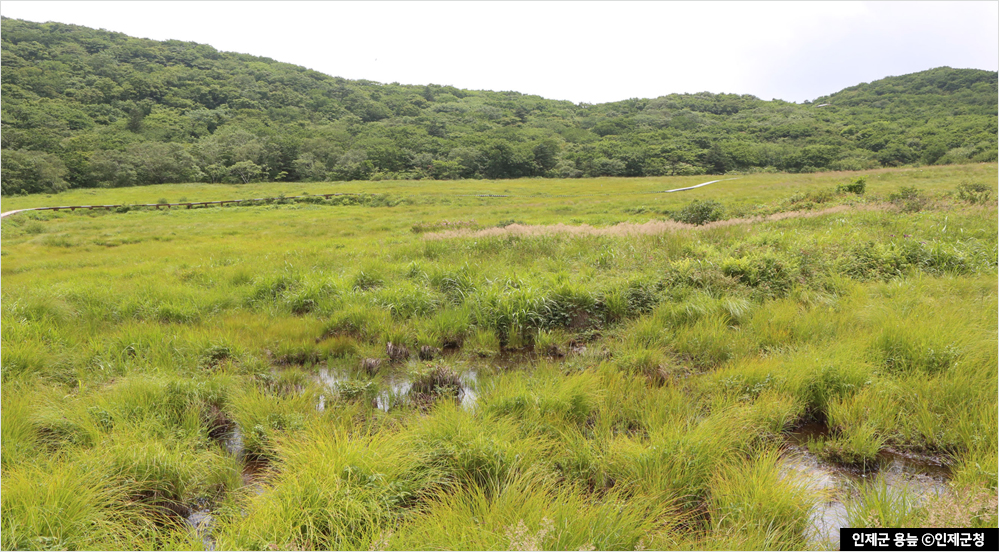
395,388
903,472
203,524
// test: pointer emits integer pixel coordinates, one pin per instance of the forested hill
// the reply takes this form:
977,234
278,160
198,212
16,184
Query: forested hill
83,107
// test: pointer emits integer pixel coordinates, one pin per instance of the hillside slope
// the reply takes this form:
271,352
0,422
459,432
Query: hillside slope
86,108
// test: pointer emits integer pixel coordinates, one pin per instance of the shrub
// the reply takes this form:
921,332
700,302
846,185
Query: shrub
858,186
976,194
699,212
771,274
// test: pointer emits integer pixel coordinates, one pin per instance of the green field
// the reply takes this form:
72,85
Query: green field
586,384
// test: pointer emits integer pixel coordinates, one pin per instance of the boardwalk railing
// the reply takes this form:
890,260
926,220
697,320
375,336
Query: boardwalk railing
188,204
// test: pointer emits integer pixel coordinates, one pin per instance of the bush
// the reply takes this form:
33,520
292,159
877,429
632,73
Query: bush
858,186
699,212
772,274
976,194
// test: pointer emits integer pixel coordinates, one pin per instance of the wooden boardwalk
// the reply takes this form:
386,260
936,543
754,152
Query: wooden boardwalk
186,204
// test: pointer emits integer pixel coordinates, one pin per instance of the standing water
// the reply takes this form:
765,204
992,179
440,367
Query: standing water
202,522
397,387
201,519
915,474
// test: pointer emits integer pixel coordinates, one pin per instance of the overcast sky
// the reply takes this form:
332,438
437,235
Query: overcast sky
580,51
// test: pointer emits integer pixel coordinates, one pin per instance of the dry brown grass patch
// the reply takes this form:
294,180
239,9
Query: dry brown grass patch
630,228
963,508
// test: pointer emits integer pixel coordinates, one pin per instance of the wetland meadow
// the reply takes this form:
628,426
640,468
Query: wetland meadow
518,365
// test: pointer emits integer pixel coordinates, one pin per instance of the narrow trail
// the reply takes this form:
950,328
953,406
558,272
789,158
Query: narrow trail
631,228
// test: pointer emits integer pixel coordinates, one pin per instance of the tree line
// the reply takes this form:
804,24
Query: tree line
92,108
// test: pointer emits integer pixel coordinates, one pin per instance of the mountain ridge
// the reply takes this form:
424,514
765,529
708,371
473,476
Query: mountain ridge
84,108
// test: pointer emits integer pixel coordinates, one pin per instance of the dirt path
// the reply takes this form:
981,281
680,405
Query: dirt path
631,228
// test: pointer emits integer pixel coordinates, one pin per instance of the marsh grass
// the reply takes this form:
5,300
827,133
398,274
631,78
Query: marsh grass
92,513
331,490
525,513
635,377
880,504
760,504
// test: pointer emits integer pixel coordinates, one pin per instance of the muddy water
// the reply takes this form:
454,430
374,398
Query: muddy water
469,384
233,442
253,468
830,513
395,395
201,519
919,475
396,388
203,523
329,380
